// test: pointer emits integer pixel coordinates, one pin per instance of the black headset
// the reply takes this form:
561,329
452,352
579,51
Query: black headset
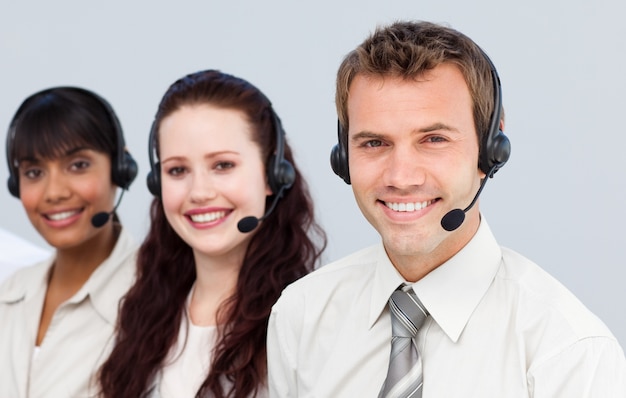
280,172
495,146
123,168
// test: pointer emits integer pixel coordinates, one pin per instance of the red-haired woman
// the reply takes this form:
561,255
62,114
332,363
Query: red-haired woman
194,324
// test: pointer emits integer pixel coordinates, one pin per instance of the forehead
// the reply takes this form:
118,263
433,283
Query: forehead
438,93
202,128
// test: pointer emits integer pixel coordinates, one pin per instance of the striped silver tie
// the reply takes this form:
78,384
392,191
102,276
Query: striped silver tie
404,377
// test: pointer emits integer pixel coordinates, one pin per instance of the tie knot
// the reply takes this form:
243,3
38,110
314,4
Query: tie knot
408,313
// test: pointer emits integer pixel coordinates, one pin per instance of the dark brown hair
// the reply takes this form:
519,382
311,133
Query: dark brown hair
285,247
407,50
53,121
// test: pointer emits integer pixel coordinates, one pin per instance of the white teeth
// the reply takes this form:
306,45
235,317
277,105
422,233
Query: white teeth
62,216
207,217
405,207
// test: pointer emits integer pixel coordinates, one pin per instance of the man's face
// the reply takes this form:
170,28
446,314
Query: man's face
413,155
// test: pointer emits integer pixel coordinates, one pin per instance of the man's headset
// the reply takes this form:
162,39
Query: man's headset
495,148
280,172
123,168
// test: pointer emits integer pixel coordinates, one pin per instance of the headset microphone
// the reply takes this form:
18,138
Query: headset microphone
99,219
454,218
249,223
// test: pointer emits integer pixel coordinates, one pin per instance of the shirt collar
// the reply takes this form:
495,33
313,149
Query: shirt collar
386,280
104,287
110,281
451,291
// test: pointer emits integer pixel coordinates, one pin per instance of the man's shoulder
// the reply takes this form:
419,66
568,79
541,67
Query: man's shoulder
544,297
350,271
353,263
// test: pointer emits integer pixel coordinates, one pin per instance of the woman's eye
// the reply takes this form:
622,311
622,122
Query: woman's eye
176,171
224,165
31,173
80,165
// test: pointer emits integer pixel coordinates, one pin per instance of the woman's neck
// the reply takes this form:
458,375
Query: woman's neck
73,266
216,282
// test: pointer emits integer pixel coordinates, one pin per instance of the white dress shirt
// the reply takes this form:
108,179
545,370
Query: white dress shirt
80,333
499,326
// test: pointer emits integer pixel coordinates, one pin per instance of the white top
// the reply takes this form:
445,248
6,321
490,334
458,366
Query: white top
16,253
499,327
189,360
79,337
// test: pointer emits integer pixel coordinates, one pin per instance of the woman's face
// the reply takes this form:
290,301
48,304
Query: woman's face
61,195
213,175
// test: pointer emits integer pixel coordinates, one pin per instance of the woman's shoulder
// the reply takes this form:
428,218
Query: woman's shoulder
24,281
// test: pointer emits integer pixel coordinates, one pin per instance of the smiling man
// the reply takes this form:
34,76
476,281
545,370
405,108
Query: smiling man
438,309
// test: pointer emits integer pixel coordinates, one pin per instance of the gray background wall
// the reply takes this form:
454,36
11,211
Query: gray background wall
559,200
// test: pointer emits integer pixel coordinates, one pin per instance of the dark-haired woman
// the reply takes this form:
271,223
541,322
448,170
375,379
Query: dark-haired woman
66,162
194,324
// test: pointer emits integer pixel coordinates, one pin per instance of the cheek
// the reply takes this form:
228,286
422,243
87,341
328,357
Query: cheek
29,196
261,187
96,191
365,169
172,196
247,190
362,180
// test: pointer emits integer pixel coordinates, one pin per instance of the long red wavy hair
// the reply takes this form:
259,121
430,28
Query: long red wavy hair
286,246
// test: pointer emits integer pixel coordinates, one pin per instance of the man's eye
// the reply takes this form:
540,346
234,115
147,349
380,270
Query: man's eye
436,138
373,143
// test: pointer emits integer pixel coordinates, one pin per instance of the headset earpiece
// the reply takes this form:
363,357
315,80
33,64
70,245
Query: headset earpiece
339,156
280,172
495,148
124,170
497,152
13,186
153,180
127,171
12,182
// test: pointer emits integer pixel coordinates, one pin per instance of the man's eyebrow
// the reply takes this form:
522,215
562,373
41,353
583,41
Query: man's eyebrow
377,136
437,126
366,135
